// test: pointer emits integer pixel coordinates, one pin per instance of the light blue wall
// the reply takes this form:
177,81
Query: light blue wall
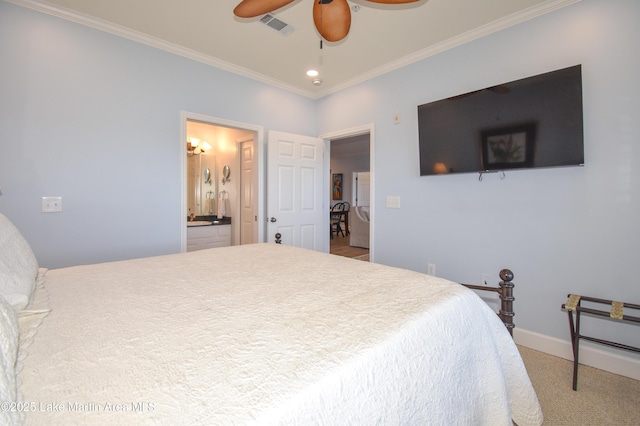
569,230
95,118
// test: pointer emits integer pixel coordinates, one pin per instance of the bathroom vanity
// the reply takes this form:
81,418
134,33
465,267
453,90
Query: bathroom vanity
208,232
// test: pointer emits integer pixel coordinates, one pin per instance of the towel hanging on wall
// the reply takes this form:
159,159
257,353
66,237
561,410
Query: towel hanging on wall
211,200
223,199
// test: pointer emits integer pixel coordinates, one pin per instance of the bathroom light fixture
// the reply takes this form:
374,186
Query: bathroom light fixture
312,73
195,147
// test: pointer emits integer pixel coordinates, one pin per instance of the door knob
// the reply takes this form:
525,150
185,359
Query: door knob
273,219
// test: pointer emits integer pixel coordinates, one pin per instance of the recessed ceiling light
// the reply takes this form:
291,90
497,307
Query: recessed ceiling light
312,73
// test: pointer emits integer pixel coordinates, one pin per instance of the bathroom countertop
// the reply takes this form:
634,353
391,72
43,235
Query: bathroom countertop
214,219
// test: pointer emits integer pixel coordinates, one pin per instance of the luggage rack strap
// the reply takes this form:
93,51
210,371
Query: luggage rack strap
616,312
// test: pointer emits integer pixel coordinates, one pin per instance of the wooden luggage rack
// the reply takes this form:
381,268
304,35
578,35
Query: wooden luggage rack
616,313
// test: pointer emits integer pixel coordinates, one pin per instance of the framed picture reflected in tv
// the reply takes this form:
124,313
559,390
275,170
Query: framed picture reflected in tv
534,122
508,147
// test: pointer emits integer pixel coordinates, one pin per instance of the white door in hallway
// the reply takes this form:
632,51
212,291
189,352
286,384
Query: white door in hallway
362,187
295,190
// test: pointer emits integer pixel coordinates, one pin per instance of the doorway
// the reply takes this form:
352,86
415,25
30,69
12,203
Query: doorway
351,158
230,143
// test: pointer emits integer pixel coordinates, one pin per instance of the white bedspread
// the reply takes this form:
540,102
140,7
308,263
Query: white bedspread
269,334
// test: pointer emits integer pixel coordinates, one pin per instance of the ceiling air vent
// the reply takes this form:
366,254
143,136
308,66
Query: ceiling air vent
272,22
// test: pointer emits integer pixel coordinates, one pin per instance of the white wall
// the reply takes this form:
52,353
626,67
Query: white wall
95,118
568,230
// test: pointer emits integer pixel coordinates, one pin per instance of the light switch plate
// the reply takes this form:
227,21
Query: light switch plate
431,269
51,204
393,202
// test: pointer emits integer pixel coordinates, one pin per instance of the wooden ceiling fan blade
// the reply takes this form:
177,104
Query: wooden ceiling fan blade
393,1
252,8
332,18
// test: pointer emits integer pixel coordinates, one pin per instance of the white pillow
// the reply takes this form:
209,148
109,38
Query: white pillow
18,266
8,355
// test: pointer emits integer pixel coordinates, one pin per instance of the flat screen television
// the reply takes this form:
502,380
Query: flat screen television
528,123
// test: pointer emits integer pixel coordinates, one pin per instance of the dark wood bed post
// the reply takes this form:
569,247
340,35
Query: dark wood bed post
506,299
505,290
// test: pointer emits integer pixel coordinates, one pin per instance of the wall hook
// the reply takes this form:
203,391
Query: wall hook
480,173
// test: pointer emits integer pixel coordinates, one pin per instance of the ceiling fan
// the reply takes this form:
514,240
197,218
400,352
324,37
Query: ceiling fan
331,17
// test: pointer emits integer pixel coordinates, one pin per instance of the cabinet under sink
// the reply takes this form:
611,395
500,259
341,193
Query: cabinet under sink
208,236
199,223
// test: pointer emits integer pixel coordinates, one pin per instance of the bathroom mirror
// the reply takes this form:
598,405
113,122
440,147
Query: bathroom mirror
225,174
202,183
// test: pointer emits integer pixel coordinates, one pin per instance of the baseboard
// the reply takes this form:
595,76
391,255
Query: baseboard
593,357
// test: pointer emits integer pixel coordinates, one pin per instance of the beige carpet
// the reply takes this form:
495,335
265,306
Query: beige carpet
602,398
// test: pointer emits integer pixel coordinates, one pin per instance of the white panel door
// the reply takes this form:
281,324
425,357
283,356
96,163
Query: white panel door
248,195
362,184
295,190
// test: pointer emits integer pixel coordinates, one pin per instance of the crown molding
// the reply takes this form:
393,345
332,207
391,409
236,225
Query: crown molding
458,40
127,33
118,30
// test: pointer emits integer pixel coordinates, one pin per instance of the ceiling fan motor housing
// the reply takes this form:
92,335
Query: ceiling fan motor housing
332,18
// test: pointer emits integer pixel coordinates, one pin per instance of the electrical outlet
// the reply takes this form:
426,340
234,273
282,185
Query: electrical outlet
431,269
484,279
51,204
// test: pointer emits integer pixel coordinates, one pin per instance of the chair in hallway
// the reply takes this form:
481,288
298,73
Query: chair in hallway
344,219
336,219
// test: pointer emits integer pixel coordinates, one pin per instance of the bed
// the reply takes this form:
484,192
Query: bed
253,334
